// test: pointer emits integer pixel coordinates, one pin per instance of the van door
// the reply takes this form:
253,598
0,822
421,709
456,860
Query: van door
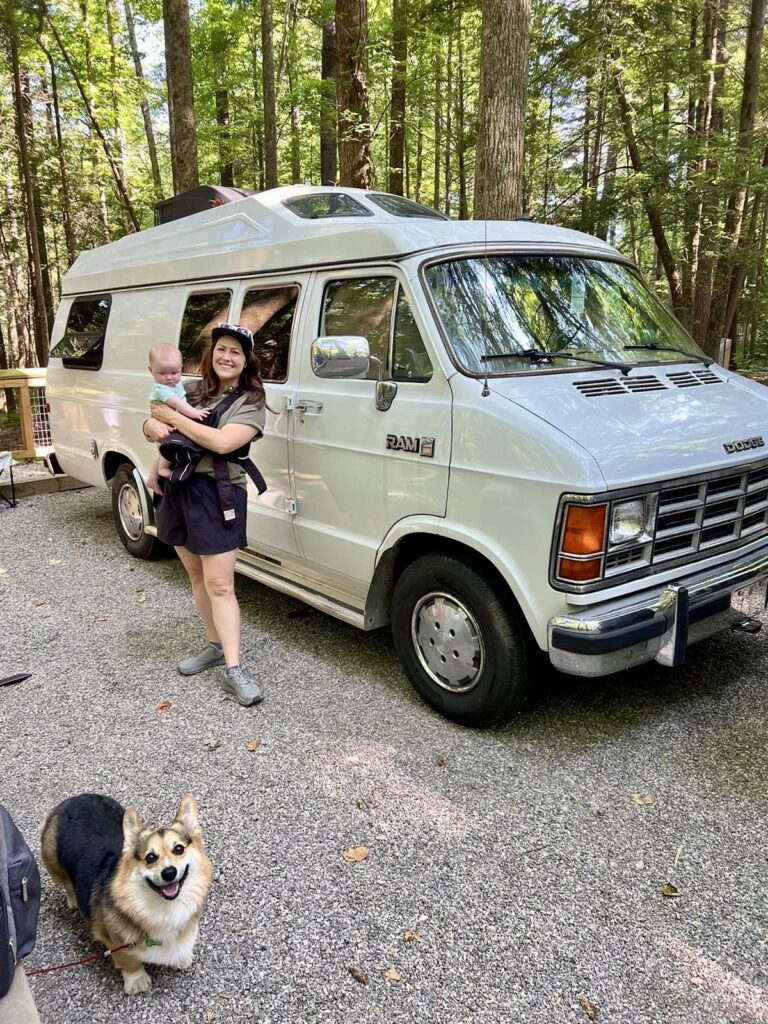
269,310
358,470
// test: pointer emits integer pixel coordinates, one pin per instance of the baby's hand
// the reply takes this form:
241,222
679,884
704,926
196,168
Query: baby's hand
201,414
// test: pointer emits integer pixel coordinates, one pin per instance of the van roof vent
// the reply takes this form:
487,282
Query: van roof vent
693,378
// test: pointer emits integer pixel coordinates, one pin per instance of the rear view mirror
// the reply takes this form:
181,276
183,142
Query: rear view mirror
340,356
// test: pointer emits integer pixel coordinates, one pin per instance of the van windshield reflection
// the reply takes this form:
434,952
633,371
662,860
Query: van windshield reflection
498,309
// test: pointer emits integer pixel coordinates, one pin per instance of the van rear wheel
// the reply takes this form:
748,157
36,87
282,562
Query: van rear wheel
462,643
128,514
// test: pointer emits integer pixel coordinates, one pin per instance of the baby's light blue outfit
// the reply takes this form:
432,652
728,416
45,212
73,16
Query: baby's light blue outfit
162,392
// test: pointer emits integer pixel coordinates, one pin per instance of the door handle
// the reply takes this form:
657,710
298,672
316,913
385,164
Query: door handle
308,408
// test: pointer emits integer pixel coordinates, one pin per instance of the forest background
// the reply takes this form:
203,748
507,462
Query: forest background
641,121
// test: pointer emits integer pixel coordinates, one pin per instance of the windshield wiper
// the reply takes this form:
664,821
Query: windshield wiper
654,347
537,355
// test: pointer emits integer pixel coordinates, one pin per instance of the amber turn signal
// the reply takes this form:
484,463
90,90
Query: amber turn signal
579,572
584,532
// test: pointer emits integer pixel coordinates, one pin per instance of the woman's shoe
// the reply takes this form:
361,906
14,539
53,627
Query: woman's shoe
209,657
243,689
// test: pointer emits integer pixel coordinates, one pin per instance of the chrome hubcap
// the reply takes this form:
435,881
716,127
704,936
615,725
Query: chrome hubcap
129,509
447,640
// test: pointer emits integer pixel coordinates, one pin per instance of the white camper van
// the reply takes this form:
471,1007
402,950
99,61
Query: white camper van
489,436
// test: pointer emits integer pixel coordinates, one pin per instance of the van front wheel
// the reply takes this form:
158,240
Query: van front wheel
128,514
461,641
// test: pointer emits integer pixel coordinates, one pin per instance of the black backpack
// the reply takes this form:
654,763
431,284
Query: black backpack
19,899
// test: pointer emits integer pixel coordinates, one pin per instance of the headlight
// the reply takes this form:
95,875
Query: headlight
633,520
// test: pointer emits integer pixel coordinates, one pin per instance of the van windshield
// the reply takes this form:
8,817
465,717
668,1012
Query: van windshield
500,311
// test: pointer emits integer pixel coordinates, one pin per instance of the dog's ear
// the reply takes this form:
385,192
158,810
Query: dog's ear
187,814
133,826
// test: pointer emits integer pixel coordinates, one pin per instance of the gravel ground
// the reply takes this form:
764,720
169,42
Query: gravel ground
531,878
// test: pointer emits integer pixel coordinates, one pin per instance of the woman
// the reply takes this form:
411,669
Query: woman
190,517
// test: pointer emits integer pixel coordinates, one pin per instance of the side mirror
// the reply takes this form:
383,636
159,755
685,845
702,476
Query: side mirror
340,356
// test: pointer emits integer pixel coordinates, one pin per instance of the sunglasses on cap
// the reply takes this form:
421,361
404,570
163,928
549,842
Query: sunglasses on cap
242,334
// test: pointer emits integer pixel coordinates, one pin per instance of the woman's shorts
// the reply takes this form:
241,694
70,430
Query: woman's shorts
189,516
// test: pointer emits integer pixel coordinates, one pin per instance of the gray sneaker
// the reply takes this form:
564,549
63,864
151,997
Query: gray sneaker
243,689
209,657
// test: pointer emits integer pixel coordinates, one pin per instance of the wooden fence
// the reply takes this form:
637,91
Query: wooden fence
25,428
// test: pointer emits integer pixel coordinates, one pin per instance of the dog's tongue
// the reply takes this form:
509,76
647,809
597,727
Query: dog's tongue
171,890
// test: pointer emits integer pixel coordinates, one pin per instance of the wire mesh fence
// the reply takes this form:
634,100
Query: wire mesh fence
25,428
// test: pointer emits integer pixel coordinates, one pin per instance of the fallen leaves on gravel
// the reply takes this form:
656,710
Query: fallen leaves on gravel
240,927
670,890
358,974
411,936
641,799
356,853
441,762
588,1007
141,597
391,974
164,707
212,743
252,745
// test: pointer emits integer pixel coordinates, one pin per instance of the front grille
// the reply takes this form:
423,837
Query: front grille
705,516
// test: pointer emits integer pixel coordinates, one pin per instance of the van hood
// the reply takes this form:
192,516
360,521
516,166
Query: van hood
651,426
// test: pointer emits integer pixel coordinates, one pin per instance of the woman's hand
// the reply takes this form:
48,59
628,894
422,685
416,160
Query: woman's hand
163,413
156,431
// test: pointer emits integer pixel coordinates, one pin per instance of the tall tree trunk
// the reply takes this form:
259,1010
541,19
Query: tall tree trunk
89,109
112,17
65,205
42,244
438,124
420,141
268,92
397,106
181,105
219,47
143,102
448,124
38,290
293,91
647,192
352,93
328,162
461,130
731,266
501,109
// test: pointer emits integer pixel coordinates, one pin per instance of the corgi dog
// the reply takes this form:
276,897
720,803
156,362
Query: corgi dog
133,885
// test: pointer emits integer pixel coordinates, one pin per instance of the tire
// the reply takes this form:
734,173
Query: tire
129,518
477,666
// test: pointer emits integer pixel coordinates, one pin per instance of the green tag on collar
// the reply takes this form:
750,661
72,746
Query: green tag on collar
153,942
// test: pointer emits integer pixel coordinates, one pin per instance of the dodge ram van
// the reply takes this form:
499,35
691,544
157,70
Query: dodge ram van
491,437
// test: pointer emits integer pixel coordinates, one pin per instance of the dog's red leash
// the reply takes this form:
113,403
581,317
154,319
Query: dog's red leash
85,960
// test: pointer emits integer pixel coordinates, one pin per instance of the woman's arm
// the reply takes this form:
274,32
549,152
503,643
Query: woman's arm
221,440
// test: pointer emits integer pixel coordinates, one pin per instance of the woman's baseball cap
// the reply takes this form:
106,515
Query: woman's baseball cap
243,335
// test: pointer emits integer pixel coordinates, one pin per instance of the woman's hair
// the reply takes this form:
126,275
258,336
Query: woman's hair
250,381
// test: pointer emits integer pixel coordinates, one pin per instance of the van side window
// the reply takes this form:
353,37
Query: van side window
82,346
201,314
361,306
269,314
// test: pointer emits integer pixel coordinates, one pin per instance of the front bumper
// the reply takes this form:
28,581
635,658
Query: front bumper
660,625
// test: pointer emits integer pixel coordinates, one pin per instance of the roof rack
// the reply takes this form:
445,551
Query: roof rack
195,200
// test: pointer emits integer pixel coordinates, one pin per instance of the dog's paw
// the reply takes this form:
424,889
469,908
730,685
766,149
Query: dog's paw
185,964
136,981
71,902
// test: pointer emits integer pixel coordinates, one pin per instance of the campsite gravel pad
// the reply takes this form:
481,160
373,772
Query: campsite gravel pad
512,875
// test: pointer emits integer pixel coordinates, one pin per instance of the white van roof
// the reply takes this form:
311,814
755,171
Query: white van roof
260,234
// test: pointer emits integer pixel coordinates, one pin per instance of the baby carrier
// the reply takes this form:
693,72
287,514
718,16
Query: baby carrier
184,454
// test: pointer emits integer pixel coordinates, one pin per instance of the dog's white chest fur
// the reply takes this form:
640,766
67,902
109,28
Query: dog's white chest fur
168,949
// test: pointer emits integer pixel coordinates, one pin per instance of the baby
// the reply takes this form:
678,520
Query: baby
165,367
